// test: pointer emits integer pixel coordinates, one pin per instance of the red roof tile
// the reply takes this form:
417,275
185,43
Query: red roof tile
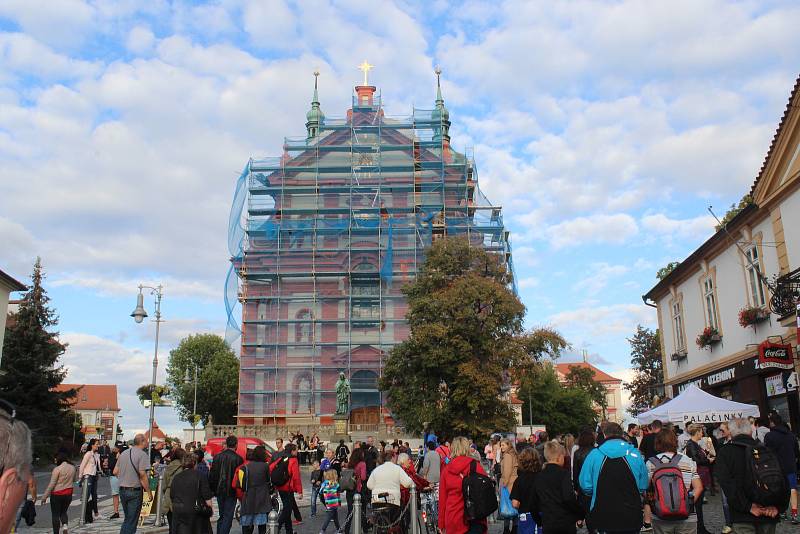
600,376
93,396
158,434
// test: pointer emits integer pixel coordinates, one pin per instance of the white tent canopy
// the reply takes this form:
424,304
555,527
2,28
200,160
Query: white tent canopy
696,406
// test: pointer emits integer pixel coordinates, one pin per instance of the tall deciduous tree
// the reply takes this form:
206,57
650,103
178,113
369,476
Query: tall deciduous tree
648,378
31,369
583,378
560,407
466,345
217,383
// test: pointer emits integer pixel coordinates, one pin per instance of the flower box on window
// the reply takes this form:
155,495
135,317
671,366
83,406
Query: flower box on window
752,315
708,337
678,356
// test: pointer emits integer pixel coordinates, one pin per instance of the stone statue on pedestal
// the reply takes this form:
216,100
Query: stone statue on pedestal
342,395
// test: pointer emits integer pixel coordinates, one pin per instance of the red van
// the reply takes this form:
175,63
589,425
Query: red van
216,445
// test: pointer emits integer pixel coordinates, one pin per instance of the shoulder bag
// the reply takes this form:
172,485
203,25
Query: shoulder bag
201,507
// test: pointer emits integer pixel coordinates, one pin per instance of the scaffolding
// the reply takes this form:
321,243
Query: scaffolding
323,239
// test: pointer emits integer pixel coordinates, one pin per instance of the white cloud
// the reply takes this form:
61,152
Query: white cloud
125,287
695,229
24,55
598,277
140,40
529,282
609,321
598,228
56,22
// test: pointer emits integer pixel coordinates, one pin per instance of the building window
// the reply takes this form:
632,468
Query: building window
754,282
677,326
304,327
710,301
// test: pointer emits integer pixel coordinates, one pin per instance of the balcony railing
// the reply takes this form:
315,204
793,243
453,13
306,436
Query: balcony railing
786,295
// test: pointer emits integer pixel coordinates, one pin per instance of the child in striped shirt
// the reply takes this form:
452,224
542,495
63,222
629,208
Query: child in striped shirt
330,495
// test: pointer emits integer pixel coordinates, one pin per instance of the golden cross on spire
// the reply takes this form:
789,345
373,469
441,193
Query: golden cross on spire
365,68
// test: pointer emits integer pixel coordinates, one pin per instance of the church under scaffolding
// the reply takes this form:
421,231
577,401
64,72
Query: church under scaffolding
322,240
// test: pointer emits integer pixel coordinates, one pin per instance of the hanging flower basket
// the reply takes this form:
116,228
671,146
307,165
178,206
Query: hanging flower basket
708,337
752,315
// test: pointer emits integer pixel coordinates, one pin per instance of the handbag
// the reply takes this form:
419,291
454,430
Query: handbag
507,511
201,507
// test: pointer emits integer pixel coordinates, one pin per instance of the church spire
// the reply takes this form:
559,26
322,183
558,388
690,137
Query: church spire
441,132
315,117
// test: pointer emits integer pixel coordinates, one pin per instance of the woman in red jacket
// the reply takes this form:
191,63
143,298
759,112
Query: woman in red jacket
451,501
287,490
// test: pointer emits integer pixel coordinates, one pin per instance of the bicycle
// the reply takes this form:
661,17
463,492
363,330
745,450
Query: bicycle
384,516
429,509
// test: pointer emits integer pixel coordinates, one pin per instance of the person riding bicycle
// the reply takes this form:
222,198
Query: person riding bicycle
385,483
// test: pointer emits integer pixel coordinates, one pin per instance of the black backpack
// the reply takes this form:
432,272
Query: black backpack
280,473
480,498
766,483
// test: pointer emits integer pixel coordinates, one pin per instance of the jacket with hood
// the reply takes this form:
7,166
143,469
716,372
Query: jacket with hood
451,499
615,476
784,444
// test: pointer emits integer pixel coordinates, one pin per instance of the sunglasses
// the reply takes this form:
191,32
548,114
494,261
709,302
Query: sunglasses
9,413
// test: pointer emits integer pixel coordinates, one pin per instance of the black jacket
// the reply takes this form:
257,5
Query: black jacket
554,498
222,469
730,469
648,446
784,444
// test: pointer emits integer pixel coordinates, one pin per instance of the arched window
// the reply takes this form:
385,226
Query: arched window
304,328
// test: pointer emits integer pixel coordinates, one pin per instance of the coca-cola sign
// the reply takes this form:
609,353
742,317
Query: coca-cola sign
775,355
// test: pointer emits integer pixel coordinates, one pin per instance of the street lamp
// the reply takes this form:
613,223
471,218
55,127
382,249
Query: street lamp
139,315
187,380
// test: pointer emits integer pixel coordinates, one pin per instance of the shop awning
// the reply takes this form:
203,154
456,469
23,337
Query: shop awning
697,406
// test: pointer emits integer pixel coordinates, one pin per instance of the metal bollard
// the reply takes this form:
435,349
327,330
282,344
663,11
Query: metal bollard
84,499
357,513
160,497
272,522
412,510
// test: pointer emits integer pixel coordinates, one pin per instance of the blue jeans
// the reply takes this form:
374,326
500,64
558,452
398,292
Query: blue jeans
131,501
314,497
227,505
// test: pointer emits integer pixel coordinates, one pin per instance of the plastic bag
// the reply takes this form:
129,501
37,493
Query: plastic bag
506,510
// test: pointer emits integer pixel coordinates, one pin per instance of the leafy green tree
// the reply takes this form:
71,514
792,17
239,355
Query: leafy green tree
648,378
31,370
560,407
583,378
733,211
217,382
466,345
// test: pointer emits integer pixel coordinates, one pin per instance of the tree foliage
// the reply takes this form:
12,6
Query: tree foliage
733,211
583,378
648,370
668,268
217,378
150,392
466,345
560,407
31,369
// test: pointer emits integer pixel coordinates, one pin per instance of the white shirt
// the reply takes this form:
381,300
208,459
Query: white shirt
683,439
89,464
387,478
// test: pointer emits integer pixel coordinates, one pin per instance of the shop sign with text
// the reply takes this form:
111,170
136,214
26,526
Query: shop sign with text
775,355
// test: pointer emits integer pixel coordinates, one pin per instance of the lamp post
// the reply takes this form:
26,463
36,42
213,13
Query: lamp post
139,315
187,380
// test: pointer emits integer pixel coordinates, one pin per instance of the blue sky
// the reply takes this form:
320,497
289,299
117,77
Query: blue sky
605,129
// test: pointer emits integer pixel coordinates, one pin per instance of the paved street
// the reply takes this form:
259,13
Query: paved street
713,515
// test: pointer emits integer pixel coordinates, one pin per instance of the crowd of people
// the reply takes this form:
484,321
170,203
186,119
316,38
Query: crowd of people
607,479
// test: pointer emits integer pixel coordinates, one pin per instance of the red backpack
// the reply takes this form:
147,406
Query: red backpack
671,501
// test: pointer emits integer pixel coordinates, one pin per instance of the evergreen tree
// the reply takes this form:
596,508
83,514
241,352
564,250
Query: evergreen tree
31,370
648,378
560,407
217,382
466,345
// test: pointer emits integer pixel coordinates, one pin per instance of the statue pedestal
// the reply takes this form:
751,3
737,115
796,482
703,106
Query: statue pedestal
341,427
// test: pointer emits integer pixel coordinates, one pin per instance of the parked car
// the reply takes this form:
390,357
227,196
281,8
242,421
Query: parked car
215,445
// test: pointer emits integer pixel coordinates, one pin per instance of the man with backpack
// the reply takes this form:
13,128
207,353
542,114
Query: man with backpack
220,479
752,480
784,444
615,477
675,487
284,473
